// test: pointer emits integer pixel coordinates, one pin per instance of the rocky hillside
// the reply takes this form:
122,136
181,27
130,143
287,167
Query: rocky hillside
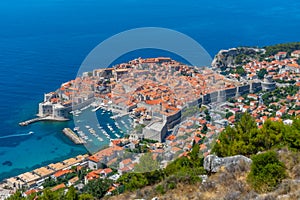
234,56
228,182
247,163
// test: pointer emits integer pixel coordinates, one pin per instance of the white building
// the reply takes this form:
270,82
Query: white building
296,54
155,131
54,110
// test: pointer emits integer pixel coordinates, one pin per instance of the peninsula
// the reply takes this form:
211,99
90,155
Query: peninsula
177,110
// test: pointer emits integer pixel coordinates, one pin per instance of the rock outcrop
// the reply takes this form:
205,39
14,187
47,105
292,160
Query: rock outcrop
227,58
213,163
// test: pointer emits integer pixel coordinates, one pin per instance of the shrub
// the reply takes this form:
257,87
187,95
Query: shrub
160,189
266,172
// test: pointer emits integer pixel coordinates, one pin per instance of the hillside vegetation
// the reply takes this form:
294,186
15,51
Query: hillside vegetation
246,139
275,169
287,47
274,172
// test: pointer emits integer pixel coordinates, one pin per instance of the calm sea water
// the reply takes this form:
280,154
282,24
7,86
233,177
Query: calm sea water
42,44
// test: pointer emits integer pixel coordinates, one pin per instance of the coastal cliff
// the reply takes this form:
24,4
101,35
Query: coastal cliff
234,56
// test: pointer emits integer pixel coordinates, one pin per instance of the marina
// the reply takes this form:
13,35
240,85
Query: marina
119,115
94,110
100,131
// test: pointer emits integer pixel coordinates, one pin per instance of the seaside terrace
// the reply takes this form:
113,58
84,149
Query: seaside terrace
15,182
29,178
75,161
44,172
58,166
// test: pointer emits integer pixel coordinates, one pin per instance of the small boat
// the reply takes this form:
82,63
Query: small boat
92,131
94,104
30,132
109,126
76,112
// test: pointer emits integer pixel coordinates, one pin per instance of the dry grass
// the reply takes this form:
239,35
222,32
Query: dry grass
230,184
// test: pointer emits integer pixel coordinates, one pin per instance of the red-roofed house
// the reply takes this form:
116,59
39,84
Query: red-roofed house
106,172
280,112
280,55
197,139
125,163
60,186
95,161
203,147
296,54
30,192
61,173
92,175
171,137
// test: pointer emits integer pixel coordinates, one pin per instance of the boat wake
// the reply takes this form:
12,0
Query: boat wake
17,135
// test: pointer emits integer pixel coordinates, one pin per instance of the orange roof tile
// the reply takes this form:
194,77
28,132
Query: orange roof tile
94,158
112,188
202,146
126,161
107,170
175,149
93,174
197,139
62,172
153,102
171,137
60,186
32,191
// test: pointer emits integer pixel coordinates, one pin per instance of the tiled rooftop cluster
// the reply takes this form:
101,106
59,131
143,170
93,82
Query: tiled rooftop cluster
280,67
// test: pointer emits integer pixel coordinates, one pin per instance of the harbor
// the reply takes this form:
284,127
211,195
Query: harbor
70,134
120,115
100,130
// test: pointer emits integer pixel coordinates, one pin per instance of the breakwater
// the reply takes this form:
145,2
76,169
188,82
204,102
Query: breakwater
48,118
27,122
70,134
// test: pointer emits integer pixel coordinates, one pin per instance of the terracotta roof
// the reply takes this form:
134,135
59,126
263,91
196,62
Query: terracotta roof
62,172
202,146
93,174
125,169
32,191
171,137
73,180
60,186
105,152
197,139
107,170
175,149
296,52
126,161
281,53
153,102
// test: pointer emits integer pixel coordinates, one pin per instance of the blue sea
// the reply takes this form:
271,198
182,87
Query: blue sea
42,44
